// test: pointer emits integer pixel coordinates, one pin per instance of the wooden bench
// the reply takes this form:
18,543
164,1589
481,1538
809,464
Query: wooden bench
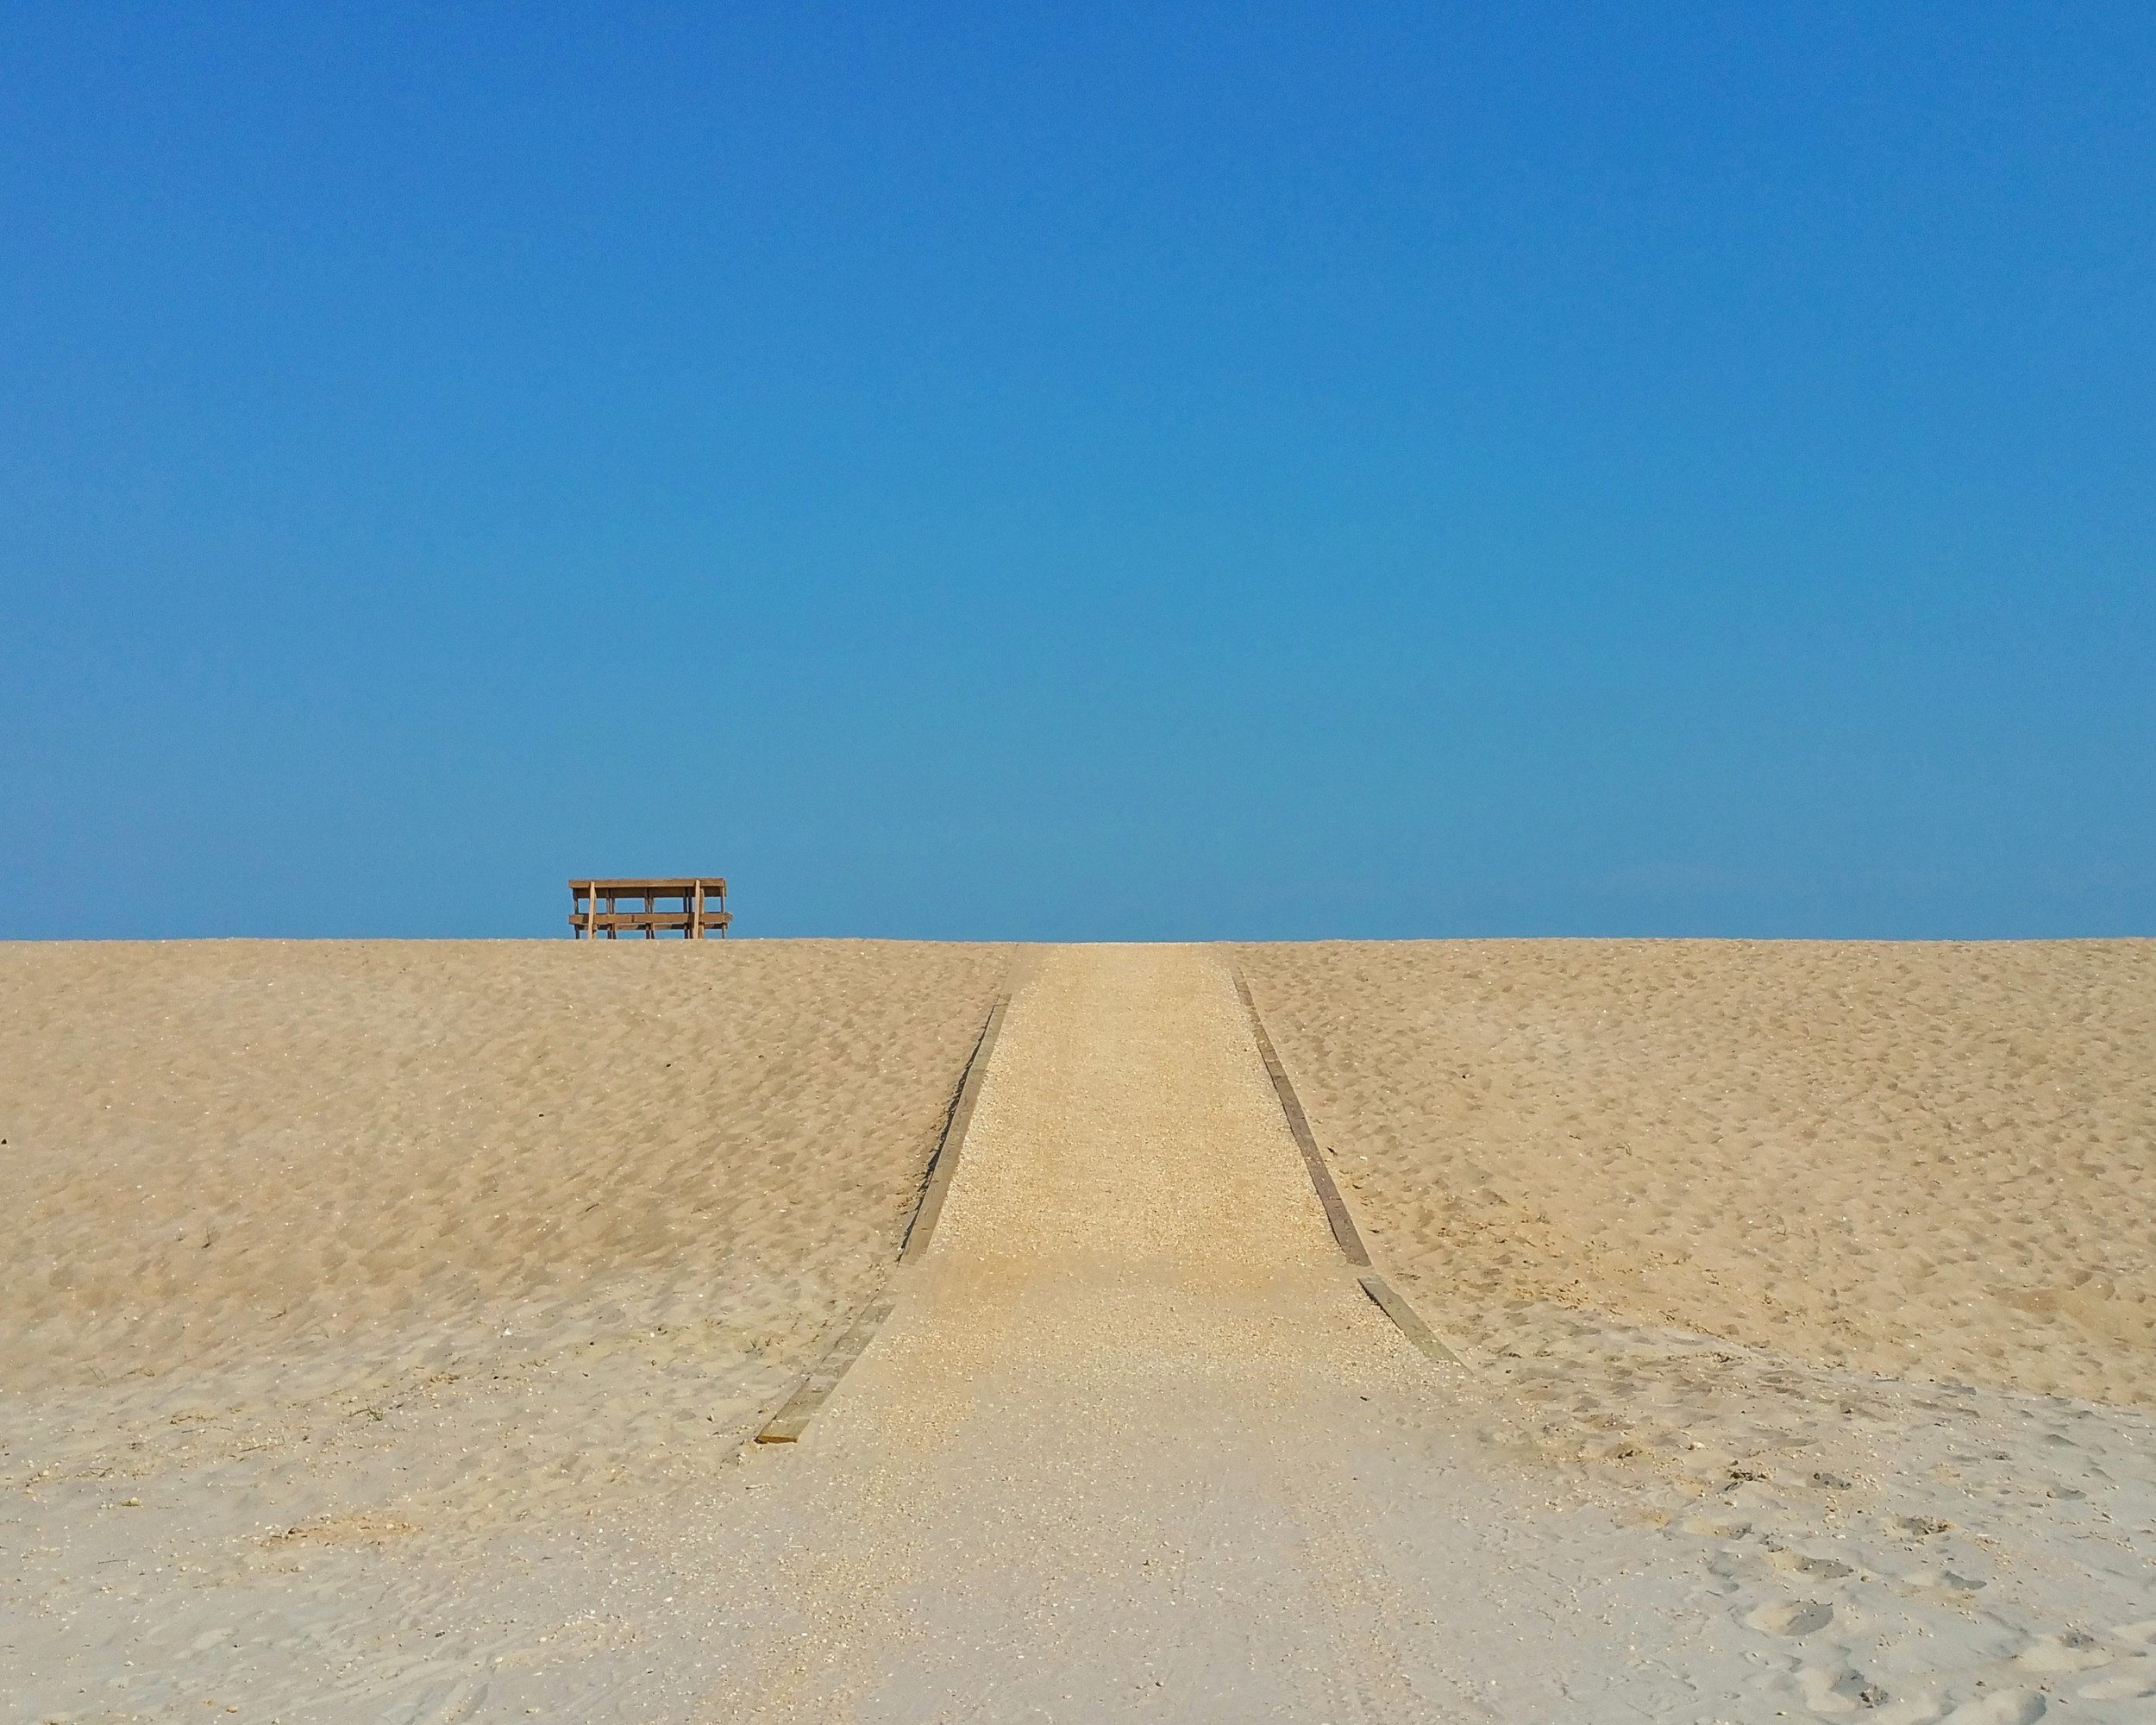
703,908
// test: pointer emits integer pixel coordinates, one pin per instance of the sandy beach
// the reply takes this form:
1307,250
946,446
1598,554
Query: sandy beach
1833,1266
1925,1160
352,1247
387,1325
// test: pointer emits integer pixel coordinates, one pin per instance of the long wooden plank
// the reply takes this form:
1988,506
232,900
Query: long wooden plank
670,888
1407,1321
641,919
1336,1210
786,1426
944,1163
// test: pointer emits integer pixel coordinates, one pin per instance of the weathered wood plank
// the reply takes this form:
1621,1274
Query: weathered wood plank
1336,1210
669,889
693,920
786,1426
944,1164
1407,1321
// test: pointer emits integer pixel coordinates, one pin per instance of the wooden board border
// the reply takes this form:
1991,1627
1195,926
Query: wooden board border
1336,1210
1409,1322
786,1426
944,1163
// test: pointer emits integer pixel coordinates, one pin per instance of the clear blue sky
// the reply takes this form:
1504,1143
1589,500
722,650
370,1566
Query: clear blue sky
1081,472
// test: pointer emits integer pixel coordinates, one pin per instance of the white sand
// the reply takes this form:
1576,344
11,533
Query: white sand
349,1248
1929,1160
1132,1444
1831,1266
1135,1445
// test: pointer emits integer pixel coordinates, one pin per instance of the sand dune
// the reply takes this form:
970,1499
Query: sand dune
1732,1233
1936,1161
336,1202
384,1321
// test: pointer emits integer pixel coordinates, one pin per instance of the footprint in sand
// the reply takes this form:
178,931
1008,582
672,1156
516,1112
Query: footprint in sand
1791,1616
2071,1651
1835,1689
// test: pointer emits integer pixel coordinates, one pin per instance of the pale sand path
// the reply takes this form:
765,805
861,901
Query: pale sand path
1136,1444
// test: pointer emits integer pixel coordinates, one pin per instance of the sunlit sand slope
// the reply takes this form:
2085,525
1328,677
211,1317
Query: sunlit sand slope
1929,1160
266,1193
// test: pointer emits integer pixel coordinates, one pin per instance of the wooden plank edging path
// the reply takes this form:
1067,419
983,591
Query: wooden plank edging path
1344,1232
944,1163
786,1426
1336,1210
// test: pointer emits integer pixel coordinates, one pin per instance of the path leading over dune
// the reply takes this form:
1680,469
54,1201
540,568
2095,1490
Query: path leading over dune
1131,1445
1134,1442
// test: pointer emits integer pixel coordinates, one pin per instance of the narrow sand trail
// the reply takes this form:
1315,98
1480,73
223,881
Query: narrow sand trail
1134,1442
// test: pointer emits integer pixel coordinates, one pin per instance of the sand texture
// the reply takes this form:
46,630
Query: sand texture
1935,1161
1131,1442
1134,1444
365,1209
1824,1268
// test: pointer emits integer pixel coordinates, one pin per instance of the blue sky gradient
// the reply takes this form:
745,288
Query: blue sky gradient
1089,472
